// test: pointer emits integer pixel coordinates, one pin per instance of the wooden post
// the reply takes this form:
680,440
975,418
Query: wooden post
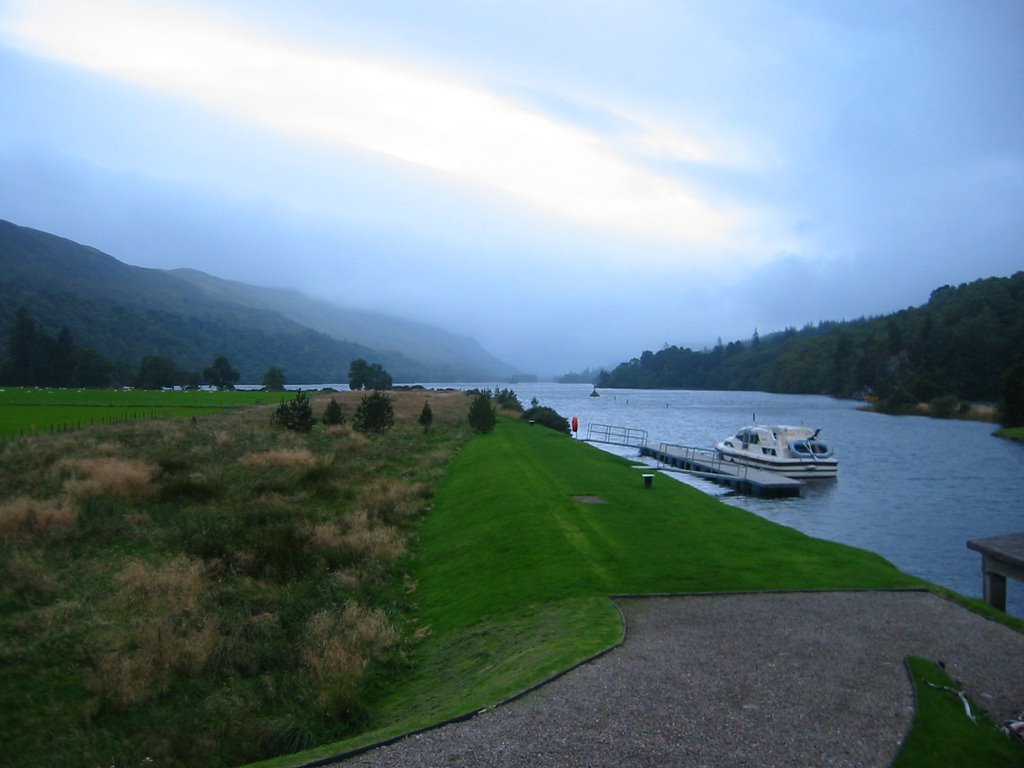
994,585
1001,557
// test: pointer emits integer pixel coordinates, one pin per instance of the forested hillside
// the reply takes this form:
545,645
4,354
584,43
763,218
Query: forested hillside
450,357
125,313
962,343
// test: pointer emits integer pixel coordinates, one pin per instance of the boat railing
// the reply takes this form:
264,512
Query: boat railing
607,433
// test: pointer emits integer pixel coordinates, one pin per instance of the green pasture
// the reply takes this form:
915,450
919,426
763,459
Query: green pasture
514,568
25,411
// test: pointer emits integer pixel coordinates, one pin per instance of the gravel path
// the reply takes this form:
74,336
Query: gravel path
790,679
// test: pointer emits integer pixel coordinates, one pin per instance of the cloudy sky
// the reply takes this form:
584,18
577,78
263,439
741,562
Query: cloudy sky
568,181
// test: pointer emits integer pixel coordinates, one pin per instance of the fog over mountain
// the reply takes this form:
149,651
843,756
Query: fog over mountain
565,182
126,313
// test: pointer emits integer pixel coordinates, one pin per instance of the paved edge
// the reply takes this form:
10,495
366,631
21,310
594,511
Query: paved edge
356,751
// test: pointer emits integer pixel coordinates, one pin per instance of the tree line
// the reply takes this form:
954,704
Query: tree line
965,344
36,359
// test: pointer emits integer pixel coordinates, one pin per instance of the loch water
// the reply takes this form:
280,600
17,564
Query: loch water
911,489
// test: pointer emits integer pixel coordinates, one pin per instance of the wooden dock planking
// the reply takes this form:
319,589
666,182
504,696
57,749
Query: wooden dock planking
706,463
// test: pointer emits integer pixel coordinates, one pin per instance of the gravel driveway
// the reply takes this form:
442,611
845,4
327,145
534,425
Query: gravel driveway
774,679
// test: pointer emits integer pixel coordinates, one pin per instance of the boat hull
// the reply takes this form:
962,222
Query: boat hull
799,469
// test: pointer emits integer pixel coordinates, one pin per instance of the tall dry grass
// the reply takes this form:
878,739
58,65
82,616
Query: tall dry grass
392,501
280,458
366,542
23,518
163,630
106,476
181,582
339,647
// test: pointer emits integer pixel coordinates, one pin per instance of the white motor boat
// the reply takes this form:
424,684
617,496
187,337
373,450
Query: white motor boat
791,451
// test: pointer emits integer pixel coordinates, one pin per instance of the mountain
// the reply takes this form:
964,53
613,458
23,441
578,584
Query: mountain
126,312
455,358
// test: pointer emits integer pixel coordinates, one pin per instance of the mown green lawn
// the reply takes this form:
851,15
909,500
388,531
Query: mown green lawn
27,411
513,573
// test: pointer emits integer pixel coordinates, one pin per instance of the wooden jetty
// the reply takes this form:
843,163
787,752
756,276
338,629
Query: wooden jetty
1001,556
706,463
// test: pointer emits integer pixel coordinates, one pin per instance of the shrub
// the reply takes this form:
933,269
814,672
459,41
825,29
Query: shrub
482,417
547,417
374,414
945,407
295,414
332,414
506,398
426,417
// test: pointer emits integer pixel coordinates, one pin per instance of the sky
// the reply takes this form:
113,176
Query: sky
570,182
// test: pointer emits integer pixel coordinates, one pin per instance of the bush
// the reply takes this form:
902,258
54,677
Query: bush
482,417
507,398
374,414
295,414
945,406
547,417
332,414
426,417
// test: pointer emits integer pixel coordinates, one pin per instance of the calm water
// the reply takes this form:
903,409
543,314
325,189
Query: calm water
912,489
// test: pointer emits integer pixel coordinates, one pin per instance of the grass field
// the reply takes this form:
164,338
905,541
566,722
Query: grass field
217,592
205,593
513,570
25,411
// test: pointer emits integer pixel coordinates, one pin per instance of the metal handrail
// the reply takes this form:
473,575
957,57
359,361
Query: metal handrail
608,433
708,456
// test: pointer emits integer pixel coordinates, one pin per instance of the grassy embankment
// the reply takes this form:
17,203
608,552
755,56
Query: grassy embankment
209,591
203,594
514,572
42,411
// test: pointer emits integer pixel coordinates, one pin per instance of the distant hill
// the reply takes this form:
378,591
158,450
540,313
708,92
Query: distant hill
962,345
126,312
452,357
